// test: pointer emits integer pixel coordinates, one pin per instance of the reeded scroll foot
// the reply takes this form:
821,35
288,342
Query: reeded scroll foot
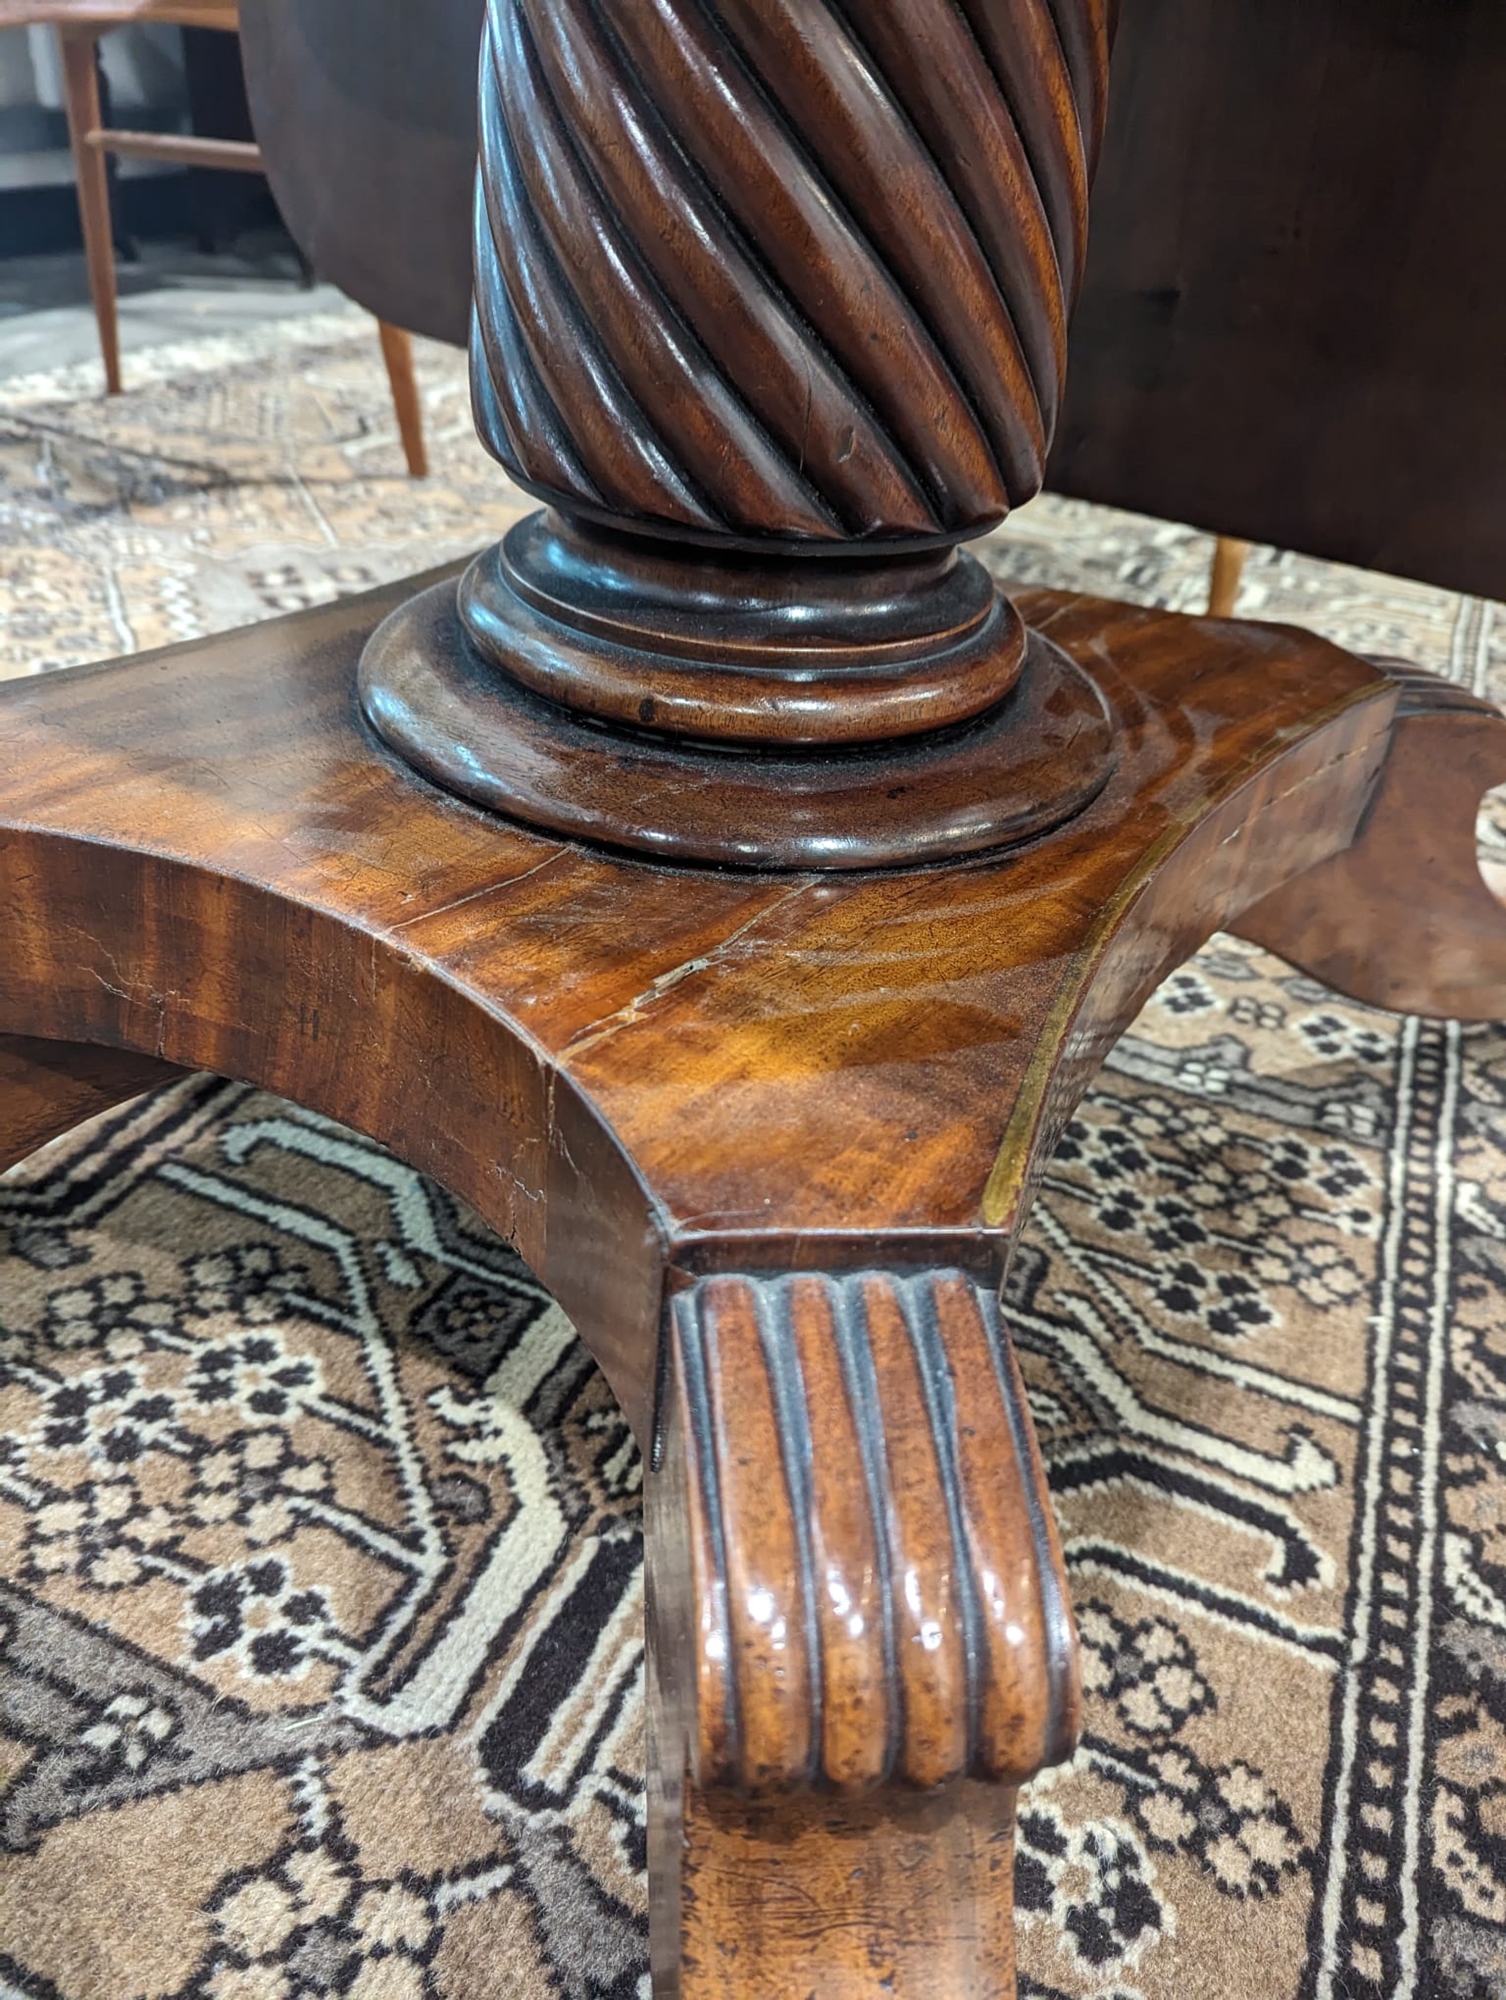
860,1637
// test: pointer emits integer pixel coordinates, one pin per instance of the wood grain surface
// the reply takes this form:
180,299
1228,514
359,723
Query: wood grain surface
877,1591
623,1064
1026,763
856,1611
905,1893
756,283
769,1135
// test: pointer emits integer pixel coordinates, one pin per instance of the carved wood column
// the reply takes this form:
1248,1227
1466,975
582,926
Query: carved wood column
860,1639
771,308
771,303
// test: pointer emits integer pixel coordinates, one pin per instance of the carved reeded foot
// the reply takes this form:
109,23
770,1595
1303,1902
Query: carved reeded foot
856,1603
769,1139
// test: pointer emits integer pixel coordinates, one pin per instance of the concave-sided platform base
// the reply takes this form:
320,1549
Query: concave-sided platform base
1026,764
769,1138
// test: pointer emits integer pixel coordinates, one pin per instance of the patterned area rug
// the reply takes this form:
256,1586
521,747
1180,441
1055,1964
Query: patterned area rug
320,1623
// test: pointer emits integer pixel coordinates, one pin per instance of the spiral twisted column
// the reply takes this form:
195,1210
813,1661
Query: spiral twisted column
784,270
771,305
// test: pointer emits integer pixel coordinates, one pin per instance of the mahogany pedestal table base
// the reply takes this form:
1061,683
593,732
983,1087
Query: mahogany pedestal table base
769,1139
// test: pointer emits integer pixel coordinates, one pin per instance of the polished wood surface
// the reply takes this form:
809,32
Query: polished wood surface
769,1129
882,1610
768,361
1024,765
857,1601
1403,918
876,650
768,1138
660,992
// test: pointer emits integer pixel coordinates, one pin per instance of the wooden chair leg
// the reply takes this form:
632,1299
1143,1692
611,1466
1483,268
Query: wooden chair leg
860,1641
1229,557
80,54
397,352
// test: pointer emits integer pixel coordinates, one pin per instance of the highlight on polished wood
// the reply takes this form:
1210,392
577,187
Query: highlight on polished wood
857,1600
886,1608
1403,918
764,360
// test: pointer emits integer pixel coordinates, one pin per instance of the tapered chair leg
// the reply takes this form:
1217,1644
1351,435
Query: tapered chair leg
397,352
860,1641
80,54
1226,575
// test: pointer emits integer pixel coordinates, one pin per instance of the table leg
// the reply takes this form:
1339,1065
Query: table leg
860,1640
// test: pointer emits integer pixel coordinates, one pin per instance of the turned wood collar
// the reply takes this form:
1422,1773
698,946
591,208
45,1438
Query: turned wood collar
770,309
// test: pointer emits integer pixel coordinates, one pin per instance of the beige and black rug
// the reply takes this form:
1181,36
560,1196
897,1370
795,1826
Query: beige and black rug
320,1644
